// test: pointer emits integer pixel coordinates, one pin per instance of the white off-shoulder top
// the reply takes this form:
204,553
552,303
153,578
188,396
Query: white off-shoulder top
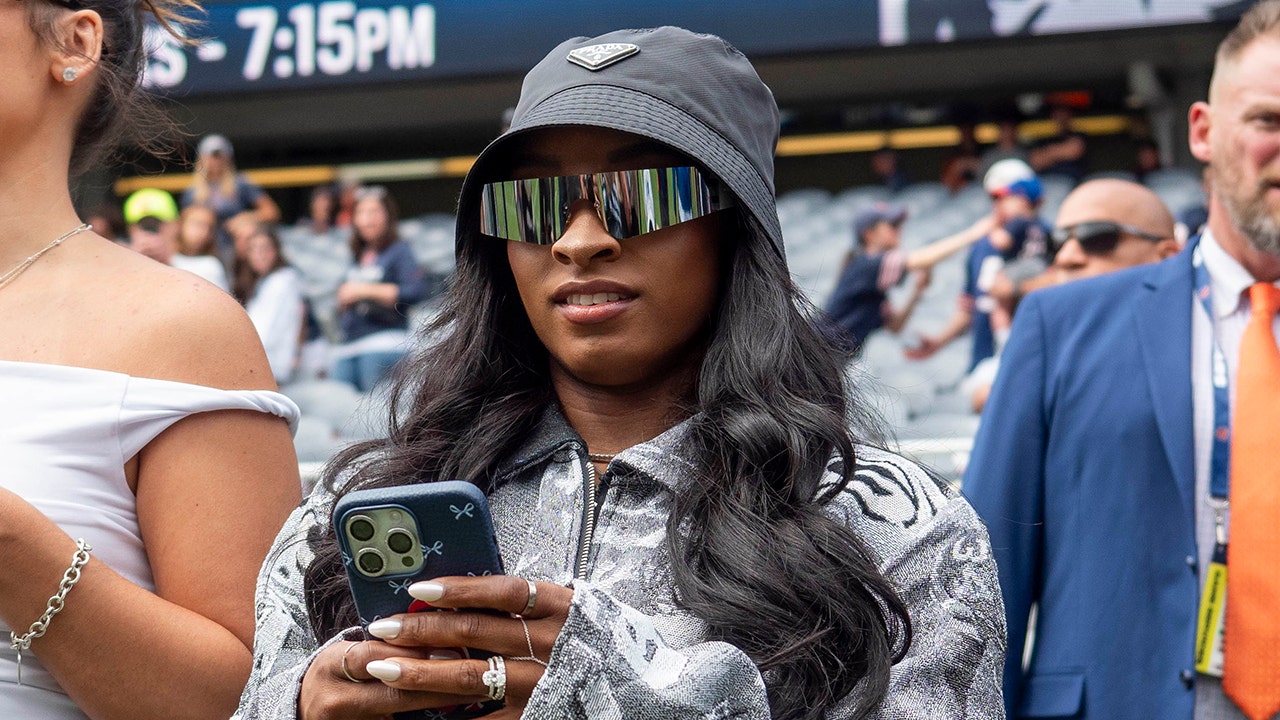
65,435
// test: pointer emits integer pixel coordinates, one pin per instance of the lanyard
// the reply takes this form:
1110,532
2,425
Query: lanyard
1220,458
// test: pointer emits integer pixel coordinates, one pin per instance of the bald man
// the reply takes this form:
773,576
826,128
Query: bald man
1108,225
1110,444
1103,226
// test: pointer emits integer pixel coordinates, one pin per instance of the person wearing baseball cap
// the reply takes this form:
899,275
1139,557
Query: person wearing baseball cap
1018,234
859,305
151,216
624,365
218,186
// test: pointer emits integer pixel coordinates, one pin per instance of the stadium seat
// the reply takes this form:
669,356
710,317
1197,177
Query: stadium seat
315,440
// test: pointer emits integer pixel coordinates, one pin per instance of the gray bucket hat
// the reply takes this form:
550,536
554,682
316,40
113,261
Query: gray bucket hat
692,92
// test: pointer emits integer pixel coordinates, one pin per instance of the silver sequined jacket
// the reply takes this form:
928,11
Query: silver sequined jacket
627,651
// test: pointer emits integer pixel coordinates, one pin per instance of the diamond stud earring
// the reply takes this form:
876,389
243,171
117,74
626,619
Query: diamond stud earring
69,74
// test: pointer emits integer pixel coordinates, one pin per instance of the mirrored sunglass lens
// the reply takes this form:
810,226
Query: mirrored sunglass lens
629,203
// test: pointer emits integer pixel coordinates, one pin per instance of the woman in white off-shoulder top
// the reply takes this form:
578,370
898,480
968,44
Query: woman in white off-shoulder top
137,411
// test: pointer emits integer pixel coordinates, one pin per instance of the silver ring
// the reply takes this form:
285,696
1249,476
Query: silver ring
345,671
495,678
533,598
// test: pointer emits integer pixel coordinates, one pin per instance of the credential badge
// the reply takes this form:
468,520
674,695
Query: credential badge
598,57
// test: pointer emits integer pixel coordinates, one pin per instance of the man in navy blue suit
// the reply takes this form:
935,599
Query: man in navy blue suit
1094,466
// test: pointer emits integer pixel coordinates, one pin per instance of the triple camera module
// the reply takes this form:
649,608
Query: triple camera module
384,541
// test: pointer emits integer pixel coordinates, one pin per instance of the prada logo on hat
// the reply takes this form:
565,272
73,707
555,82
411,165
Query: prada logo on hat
597,57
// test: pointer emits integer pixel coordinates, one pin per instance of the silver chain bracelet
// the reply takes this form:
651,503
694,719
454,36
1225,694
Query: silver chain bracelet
56,603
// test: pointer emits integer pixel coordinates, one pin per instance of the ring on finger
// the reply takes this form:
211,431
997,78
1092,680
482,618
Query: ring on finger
345,671
495,678
533,598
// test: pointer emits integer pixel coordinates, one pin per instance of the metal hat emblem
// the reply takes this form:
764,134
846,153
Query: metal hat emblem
597,57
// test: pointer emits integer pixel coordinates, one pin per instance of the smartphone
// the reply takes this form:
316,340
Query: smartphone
393,537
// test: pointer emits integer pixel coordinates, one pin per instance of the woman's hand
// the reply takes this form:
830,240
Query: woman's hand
413,676
350,293
330,688
497,633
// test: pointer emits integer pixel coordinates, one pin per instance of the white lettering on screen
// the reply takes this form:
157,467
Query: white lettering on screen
336,38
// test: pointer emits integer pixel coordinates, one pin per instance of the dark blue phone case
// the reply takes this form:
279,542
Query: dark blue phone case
456,534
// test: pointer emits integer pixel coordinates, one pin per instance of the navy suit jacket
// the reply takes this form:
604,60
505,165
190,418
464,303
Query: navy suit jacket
1083,469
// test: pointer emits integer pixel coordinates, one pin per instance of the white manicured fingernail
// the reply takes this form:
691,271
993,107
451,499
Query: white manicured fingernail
427,591
444,655
384,670
385,629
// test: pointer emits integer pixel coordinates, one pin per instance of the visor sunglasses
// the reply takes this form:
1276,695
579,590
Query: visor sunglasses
628,202
1097,238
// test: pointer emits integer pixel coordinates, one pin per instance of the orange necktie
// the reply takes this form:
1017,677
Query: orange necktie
1251,671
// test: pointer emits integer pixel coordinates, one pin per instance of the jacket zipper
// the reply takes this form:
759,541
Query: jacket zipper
588,519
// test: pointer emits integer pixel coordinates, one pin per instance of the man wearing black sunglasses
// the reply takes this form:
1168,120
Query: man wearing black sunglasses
1103,226
1107,225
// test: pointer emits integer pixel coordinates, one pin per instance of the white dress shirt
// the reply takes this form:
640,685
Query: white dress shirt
1229,281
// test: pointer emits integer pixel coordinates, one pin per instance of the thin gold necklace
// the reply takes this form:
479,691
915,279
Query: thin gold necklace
22,266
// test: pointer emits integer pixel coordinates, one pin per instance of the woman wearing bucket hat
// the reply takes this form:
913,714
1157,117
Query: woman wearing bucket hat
623,365
146,457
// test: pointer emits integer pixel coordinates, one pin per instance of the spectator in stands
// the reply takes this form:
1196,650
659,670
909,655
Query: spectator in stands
1019,233
888,171
107,220
240,228
147,458
152,219
197,231
384,280
1008,145
672,367
1065,153
216,184
271,292
961,165
1146,160
348,188
1129,410
860,305
1103,226
322,210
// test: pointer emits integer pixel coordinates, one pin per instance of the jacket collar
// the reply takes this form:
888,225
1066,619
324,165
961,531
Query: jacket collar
667,459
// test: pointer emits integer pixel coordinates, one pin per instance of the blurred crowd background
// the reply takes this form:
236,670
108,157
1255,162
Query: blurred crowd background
325,155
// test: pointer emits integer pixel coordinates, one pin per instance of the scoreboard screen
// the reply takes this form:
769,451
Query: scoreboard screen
249,45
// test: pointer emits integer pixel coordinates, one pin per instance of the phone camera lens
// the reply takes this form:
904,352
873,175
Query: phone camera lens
361,529
371,561
399,541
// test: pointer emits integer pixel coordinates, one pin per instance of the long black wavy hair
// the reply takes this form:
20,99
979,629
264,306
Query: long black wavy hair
752,551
